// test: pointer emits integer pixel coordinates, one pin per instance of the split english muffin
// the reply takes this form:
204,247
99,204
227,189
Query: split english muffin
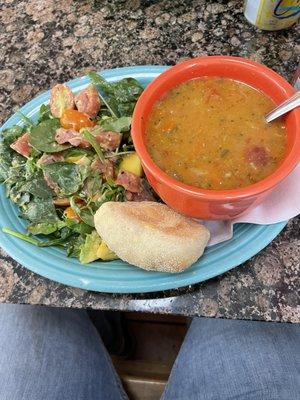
151,235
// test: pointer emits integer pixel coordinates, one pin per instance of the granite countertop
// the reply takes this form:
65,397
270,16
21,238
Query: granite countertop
42,43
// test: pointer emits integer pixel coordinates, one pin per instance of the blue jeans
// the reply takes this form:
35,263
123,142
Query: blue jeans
57,354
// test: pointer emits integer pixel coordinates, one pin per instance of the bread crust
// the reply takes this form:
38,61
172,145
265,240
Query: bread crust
150,235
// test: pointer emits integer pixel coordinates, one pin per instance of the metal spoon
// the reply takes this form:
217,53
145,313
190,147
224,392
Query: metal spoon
283,108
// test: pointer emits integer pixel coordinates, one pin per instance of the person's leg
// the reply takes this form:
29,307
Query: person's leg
53,354
237,360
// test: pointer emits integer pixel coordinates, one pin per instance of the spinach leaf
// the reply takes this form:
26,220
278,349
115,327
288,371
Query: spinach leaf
115,124
23,180
103,85
30,167
67,177
84,170
42,137
78,227
121,96
73,245
127,90
10,135
5,161
93,142
110,192
45,228
40,210
61,241
37,186
13,192
15,178
101,82
27,121
17,196
66,227
86,213
44,113
126,109
125,95
92,185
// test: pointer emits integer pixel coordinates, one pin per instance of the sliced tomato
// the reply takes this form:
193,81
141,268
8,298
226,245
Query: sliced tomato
73,119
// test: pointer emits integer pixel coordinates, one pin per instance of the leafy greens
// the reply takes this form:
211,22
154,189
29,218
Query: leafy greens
42,136
58,187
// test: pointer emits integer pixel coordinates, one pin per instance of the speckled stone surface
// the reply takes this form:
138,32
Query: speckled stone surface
44,42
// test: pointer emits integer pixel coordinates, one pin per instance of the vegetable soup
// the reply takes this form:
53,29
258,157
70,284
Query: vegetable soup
211,133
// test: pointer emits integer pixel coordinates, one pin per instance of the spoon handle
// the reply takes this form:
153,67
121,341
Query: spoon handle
284,107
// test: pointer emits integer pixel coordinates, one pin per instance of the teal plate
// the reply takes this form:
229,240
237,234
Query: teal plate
118,276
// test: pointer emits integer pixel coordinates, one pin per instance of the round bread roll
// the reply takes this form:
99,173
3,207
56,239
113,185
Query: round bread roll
150,235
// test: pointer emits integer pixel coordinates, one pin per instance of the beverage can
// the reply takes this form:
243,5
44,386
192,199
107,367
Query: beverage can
272,15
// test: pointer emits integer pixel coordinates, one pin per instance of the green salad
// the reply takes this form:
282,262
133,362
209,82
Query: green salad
77,156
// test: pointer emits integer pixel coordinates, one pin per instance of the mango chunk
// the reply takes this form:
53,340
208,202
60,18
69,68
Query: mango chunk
79,160
105,253
131,163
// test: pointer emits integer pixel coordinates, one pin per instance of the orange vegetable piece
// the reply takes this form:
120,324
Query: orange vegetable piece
70,214
73,119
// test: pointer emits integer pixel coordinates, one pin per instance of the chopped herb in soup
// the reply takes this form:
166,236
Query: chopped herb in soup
211,133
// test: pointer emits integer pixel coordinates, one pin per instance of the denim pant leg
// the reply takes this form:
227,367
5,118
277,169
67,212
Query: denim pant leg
53,354
237,360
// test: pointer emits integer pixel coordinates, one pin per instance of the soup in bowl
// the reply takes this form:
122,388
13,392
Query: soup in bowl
200,132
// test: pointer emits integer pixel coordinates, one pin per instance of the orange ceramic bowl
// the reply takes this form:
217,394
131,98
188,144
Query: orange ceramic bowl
215,204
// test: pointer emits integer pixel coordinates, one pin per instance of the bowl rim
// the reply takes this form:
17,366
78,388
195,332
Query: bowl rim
289,163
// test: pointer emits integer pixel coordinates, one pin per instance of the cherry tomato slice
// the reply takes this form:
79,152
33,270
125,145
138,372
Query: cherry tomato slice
73,119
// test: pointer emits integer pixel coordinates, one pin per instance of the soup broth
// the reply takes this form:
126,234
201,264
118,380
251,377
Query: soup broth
211,133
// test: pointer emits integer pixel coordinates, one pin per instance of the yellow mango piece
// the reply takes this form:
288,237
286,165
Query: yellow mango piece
131,163
79,160
105,253
73,159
